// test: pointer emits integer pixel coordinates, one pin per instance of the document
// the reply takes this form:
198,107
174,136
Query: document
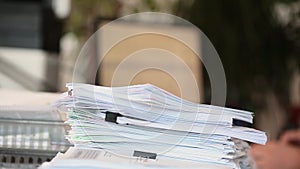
144,122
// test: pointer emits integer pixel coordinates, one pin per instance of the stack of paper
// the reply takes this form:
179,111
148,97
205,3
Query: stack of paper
101,159
144,121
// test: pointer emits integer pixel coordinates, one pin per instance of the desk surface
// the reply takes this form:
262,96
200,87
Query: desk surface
26,98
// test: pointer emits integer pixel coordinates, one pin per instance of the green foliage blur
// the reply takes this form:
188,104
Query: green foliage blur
84,13
258,52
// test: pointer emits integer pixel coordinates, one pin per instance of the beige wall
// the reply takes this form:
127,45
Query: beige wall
165,56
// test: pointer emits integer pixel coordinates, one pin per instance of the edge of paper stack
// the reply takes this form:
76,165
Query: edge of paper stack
143,126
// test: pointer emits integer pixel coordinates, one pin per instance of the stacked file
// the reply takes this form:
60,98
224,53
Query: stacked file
144,121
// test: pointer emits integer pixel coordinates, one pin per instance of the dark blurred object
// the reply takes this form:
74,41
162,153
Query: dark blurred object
29,24
295,116
293,120
52,28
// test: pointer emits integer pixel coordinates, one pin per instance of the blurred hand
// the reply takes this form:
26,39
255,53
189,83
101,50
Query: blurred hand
291,137
277,155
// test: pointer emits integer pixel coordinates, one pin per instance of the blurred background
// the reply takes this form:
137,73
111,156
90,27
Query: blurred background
258,43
